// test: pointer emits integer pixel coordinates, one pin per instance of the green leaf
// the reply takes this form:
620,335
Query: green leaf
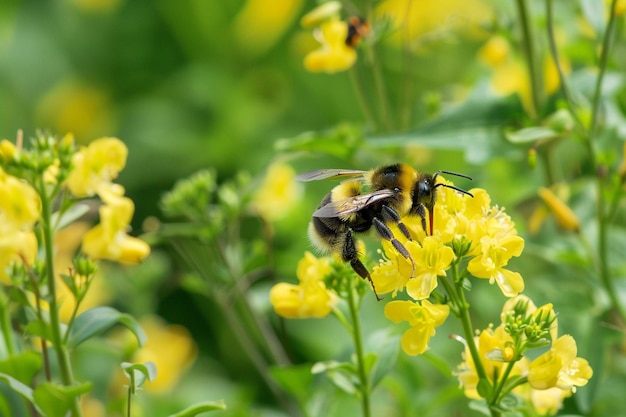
22,366
57,400
474,126
24,390
342,374
138,373
387,348
100,319
296,380
200,408
484,388
342,141
69,216
531,135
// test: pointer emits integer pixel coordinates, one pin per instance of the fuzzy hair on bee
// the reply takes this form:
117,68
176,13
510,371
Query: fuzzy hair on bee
372,199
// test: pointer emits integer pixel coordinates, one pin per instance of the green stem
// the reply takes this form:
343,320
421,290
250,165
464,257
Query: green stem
456,293
5,324
63,358
559,67
529,52
603,262
381,90
358,347
128,403
497,392
360,96
604,54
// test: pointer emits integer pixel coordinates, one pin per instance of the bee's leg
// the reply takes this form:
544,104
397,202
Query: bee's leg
350,254
421,211
385,232
389,215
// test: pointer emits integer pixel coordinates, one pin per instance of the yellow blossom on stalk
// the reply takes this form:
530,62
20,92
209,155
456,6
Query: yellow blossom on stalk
7,150
309,298
96,165
495,255
490,340
559,367
422,316
20,208
431,260
108,240
172,350
565,217
333,55
278,192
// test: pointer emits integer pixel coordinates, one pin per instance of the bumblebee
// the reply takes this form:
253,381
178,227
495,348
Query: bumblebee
372,199
358,28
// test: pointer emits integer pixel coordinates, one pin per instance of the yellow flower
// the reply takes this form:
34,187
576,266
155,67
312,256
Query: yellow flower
490,340
172,350
431,260
495,255
565,217
333,55
417,19
108,240
20,208
96,165
423,318
559,367
309,298
545,402
7,150
259,24
495,51
278,192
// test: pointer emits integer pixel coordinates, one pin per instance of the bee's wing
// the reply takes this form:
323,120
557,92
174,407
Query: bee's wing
352,204
321,174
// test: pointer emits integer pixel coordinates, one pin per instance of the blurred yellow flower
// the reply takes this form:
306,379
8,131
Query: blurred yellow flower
559,367
309,298
278,192
20,208
333,55
66,243
565,217
7,150
419,18
74,106
422,316
260,24
96,165
108,240
172,350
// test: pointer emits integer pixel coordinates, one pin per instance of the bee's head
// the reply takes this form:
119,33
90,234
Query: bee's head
424,193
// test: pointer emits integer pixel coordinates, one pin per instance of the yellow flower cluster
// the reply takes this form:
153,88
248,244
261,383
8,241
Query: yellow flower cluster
551,376
20,208
310,298
492,241
93,169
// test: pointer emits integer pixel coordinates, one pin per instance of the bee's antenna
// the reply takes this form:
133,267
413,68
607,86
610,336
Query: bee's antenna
454,188
441,171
